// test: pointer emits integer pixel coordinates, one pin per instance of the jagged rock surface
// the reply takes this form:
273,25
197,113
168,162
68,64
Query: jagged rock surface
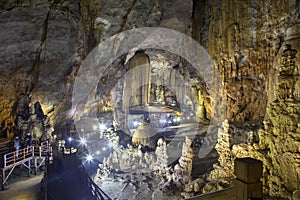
279,141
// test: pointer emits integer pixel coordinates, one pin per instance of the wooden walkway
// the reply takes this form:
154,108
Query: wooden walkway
67,179
23,157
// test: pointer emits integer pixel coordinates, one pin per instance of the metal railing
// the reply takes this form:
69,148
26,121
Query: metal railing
18,156
25,154
5,146
24,157
94,189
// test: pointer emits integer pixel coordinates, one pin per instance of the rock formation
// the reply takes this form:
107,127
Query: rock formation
161,165
145,135
180,175
44,43
130,158
279,141
30,118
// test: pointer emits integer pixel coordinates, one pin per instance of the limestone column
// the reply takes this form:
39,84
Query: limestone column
137,85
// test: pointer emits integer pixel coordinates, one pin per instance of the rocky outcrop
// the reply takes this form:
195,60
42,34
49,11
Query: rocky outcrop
279,141
282,139
30,118
41,56
243,39
43,43
145,135
161,165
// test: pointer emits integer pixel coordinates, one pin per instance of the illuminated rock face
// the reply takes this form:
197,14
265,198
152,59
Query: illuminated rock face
278,143
243,38
43,44
145,135
282,139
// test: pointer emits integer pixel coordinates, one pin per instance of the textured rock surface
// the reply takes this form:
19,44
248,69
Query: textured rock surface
279,141
43,44
243,39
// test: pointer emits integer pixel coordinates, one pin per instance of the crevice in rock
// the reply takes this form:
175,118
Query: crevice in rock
126,16
36,66
200,21
88,14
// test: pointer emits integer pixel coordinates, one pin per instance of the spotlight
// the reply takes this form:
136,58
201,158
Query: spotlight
70,139
110,144
102,126
162,121
136,123
89,158
83,141
97,152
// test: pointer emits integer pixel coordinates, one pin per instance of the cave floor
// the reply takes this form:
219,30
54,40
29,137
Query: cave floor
138,185
22,187
227,194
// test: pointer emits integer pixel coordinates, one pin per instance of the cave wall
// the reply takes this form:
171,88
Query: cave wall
39,50
44,42
243,38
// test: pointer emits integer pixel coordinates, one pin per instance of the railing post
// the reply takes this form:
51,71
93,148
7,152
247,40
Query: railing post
35,166
3,178
40,151
14,157
248,185
4,164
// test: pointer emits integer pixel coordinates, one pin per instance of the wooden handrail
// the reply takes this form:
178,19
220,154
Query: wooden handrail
27,153
18,156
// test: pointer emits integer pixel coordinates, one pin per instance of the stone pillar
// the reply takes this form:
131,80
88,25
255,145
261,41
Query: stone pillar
137,87
247,184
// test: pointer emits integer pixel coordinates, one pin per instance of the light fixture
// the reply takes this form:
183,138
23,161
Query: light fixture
162,121
89,158
102,127
94,127
83,141
70,139
110,144
136,123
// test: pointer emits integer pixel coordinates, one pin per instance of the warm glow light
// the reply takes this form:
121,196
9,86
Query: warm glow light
94,127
